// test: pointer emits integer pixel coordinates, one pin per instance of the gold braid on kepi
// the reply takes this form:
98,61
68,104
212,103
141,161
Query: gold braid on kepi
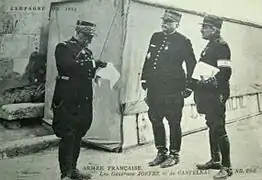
213,21
171,16
85,27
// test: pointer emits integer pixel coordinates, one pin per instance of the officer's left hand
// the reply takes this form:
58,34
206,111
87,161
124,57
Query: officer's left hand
223,97
97,80
144,86
101,64
186,93
210,81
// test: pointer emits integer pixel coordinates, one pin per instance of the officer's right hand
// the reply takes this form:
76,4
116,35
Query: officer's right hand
186,93
202,81
144,86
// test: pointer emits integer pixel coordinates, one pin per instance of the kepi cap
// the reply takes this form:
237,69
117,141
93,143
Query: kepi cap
171,16
86,27
213,21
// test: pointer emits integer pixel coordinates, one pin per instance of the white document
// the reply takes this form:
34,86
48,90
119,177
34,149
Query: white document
204,70
109,73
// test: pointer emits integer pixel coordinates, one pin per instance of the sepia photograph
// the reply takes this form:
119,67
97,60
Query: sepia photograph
130,89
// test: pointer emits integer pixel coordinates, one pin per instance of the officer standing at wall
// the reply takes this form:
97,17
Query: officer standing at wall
211,95
164,79
73,96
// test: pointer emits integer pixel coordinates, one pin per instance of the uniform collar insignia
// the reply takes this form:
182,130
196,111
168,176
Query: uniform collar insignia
173,32
205,50
73,40
219,40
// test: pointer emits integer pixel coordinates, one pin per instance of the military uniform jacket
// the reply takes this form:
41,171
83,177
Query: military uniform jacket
162,70
217,53
76,68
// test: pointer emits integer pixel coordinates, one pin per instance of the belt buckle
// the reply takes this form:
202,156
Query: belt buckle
65,78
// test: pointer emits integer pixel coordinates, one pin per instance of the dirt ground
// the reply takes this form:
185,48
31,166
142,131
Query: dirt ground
246,154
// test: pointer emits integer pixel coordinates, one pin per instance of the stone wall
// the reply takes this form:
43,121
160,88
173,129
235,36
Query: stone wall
23,32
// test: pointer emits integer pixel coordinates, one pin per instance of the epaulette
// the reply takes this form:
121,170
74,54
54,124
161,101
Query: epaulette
64,42
71,41
221,41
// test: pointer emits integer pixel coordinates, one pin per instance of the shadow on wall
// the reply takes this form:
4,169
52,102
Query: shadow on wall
29,87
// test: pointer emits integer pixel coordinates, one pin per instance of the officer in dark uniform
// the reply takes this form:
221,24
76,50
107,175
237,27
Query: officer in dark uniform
73,96
211,95
164,79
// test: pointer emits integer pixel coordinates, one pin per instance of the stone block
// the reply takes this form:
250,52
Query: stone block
21,111
27,146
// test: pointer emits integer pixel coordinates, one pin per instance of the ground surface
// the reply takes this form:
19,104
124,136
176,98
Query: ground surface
27,130
246,146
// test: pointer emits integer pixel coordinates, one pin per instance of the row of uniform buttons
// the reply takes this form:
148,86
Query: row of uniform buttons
89,73
159,51
81,61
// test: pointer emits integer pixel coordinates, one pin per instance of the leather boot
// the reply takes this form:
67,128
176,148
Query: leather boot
77,175
214,146
224,173
225,151
214,163
171,160
66,178
160,158
209,165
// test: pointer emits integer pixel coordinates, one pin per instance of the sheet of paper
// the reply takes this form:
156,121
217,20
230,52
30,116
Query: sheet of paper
205,70
109,73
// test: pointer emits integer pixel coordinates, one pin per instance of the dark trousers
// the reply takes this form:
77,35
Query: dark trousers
170,107
68,153
71,123
215,116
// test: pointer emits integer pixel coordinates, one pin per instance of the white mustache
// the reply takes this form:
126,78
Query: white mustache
164,26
